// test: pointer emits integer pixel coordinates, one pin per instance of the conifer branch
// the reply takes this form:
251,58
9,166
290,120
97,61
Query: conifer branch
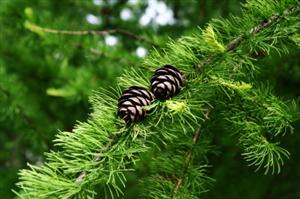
231,46
83,174
264,24
38,29
172,127
189,156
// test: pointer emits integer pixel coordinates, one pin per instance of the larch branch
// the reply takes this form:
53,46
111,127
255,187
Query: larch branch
261,26
189,157
36,28
231,46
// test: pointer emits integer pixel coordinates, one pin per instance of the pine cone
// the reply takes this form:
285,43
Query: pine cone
131,102
166,82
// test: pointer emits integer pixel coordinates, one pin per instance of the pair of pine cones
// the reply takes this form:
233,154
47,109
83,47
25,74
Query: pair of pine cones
165,83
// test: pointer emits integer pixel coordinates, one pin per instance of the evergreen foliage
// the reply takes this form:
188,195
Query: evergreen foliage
173,145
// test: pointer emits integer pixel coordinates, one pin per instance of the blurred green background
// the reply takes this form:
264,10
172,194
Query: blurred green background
46,79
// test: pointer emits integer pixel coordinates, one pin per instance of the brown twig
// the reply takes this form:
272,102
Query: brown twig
36,28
